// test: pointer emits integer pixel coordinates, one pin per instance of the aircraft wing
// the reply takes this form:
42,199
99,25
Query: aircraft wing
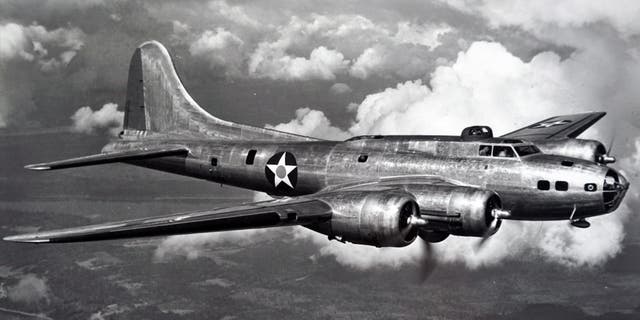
119,156
273,213
567,126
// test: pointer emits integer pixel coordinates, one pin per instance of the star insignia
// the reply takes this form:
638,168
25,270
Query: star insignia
550,124
281,170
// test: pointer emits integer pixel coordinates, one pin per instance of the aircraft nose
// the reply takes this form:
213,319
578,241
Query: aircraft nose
614,189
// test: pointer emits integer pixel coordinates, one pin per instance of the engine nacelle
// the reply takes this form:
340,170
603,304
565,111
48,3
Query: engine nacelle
459,210
377,218
590,150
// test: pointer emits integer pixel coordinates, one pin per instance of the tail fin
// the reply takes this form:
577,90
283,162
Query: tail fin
158,102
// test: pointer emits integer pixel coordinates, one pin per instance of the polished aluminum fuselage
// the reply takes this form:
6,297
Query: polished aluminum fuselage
321,164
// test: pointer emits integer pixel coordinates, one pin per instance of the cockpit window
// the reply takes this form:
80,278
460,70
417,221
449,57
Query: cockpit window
527,150
484,150
503,152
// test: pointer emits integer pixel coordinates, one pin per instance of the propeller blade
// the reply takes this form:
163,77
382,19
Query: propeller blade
610,145
490,231
498,215
427,262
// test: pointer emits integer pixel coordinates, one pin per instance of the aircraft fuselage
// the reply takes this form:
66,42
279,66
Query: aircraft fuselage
532,187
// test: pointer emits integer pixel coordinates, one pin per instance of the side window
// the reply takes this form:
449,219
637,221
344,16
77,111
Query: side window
562,185
214,162
544,185
503,152
251,155
363,158
590,187
484,150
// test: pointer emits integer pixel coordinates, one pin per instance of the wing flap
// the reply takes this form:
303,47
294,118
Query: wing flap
110,158
257,215
567,126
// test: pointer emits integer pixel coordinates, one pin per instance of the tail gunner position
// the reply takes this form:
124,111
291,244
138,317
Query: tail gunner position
370,190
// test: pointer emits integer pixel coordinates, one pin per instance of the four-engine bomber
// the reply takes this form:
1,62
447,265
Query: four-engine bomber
371,190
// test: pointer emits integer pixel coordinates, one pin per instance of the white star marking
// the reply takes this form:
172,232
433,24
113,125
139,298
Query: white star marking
551,124
284,171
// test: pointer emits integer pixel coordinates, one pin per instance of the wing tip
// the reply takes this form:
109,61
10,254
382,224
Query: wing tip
37,167
26,238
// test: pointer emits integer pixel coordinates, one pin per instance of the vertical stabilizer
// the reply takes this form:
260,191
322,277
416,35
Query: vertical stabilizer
157,102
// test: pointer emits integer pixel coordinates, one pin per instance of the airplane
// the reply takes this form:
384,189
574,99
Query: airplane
376,190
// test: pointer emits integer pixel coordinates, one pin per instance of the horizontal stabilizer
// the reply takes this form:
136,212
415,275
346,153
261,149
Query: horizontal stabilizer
110,158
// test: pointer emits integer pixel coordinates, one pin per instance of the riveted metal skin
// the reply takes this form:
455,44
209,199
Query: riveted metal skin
322,164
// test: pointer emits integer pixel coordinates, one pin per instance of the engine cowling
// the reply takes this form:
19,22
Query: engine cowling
459,210
590,150
377,218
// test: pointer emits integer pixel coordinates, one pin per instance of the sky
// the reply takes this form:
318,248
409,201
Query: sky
329,69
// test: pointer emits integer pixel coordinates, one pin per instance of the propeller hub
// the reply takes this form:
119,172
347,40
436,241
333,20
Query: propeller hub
500,213
605,158
416,221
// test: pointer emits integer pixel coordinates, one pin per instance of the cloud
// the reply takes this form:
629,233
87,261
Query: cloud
311,123
315,46
22,46
35,42
273,63
109,312
14,42
406,55
533,15
485,77
339,88
85,120
427,35
237,14
194,246
29,289
220,48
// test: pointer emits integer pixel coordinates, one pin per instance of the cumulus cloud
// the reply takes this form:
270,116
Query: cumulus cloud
47,50
426,35
85,120
34,42
29,289
487,84
311,123
272,62
339,88
324,46
237,14
407,54
220,48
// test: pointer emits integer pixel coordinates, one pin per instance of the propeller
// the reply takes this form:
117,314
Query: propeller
497,214
427,261
608,158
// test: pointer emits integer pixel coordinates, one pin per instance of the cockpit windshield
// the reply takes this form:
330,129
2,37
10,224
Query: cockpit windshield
526,150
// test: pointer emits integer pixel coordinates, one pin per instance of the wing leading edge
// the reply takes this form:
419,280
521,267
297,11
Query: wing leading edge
567,126
274,213
111,157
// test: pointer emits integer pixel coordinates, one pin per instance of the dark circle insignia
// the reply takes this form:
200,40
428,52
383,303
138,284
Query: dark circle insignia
282,171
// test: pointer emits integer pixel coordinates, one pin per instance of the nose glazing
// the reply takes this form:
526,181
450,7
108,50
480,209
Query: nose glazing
614,188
